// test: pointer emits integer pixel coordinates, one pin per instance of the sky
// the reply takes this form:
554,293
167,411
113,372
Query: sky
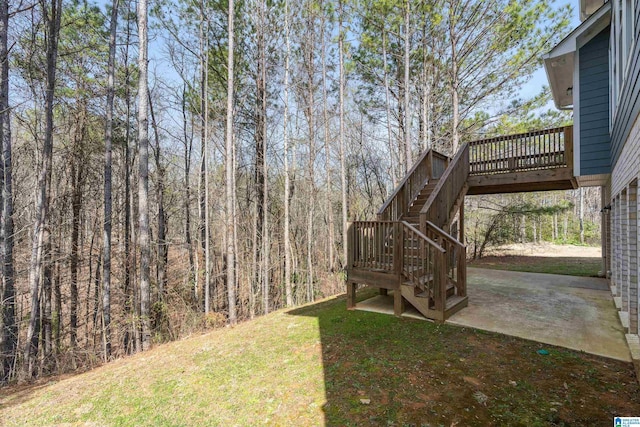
539,78
530,89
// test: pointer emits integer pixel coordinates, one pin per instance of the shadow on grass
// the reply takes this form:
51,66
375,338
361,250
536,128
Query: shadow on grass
382,370
570,266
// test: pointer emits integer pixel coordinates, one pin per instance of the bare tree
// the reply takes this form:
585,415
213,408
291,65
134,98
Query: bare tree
343,170
287,179
406,86
106,263
327,150
9,332
143,176
229,175
52,14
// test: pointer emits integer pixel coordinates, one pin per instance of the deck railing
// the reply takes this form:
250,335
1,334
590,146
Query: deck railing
430,165
371,245
439,204
543,149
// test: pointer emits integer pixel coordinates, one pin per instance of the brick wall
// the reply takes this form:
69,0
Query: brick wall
628,166
632,306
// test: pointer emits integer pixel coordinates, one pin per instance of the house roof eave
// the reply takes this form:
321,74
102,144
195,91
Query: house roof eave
560,61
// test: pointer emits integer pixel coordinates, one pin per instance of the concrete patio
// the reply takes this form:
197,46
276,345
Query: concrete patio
567,311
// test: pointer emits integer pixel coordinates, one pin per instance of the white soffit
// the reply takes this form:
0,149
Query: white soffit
560,75
559,63
593,180
588,7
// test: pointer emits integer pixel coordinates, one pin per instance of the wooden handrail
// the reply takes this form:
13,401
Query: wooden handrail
518,135
399,187
445,235
421,235
448,188
430,165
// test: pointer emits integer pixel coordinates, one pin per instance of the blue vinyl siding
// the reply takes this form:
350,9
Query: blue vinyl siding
595,142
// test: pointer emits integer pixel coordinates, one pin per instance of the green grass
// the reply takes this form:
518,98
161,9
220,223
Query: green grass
313,365
571,266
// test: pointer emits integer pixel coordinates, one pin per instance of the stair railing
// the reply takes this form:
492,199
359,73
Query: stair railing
455,260
438,206
424,265
430,165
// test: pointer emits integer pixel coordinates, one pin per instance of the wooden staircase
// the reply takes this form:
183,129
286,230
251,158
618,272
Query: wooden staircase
406,250
415,247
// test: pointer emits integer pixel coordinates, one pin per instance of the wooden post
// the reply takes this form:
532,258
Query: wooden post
462,257
568,147
398,249
351,295
398,302
442,283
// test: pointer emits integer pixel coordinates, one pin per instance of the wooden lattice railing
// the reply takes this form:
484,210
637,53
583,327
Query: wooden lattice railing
543,149
430,165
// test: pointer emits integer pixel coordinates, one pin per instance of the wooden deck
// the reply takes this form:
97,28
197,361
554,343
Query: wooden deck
534,161
415,246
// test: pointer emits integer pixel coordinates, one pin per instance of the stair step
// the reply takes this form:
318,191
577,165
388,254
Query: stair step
423,280
450,291
455,304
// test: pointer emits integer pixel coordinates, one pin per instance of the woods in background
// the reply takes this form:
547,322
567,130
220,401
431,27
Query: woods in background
184,164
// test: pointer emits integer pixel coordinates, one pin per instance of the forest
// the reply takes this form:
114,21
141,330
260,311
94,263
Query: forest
178,165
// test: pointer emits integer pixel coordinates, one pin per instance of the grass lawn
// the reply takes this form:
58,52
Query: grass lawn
571,266
324,365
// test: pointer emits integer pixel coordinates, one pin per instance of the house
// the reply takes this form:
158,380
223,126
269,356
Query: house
595,72
414,247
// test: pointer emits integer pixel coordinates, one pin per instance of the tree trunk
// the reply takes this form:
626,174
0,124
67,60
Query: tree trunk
343,170
106,274
205,234
40,232
162,248
260,165
9,333
455,103
229,175
265,177
187,189
287,182
406,88
46,320
143,176
392,157
327,151
129,255
77,173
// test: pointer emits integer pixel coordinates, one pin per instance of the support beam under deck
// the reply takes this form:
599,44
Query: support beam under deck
523,181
